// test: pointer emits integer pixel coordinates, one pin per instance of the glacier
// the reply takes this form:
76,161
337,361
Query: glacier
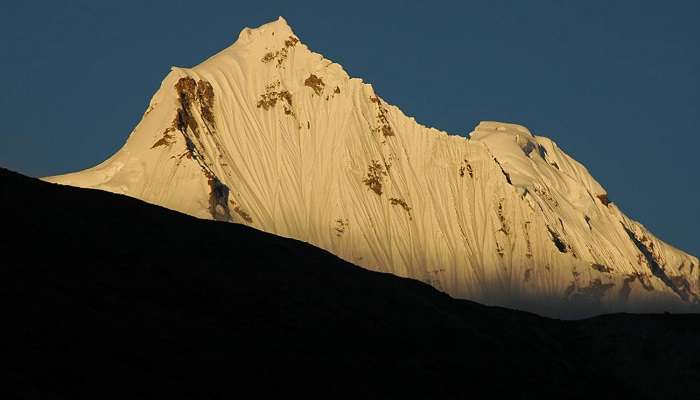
269,134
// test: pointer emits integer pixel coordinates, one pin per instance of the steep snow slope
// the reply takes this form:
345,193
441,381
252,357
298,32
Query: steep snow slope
269,134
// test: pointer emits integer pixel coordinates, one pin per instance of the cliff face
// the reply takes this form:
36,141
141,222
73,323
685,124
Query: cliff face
269,134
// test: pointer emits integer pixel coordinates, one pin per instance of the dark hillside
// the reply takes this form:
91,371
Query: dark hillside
104,296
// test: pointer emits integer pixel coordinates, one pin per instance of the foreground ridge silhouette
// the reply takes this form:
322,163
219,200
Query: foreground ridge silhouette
105,296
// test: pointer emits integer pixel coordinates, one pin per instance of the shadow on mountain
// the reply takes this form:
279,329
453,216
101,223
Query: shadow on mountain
105,296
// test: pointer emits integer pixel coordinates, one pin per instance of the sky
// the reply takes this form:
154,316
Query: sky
615,83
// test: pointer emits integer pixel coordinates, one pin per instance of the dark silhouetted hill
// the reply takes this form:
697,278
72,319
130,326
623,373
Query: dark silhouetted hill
104,296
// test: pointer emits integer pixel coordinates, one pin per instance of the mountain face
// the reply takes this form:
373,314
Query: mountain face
269,134
143,303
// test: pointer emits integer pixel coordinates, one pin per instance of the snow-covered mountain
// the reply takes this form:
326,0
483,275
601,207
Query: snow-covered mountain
270,134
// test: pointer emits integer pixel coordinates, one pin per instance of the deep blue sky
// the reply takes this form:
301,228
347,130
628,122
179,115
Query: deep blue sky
615,84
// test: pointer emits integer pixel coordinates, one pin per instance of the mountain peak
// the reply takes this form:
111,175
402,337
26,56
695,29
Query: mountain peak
272,135
281,20
277,29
